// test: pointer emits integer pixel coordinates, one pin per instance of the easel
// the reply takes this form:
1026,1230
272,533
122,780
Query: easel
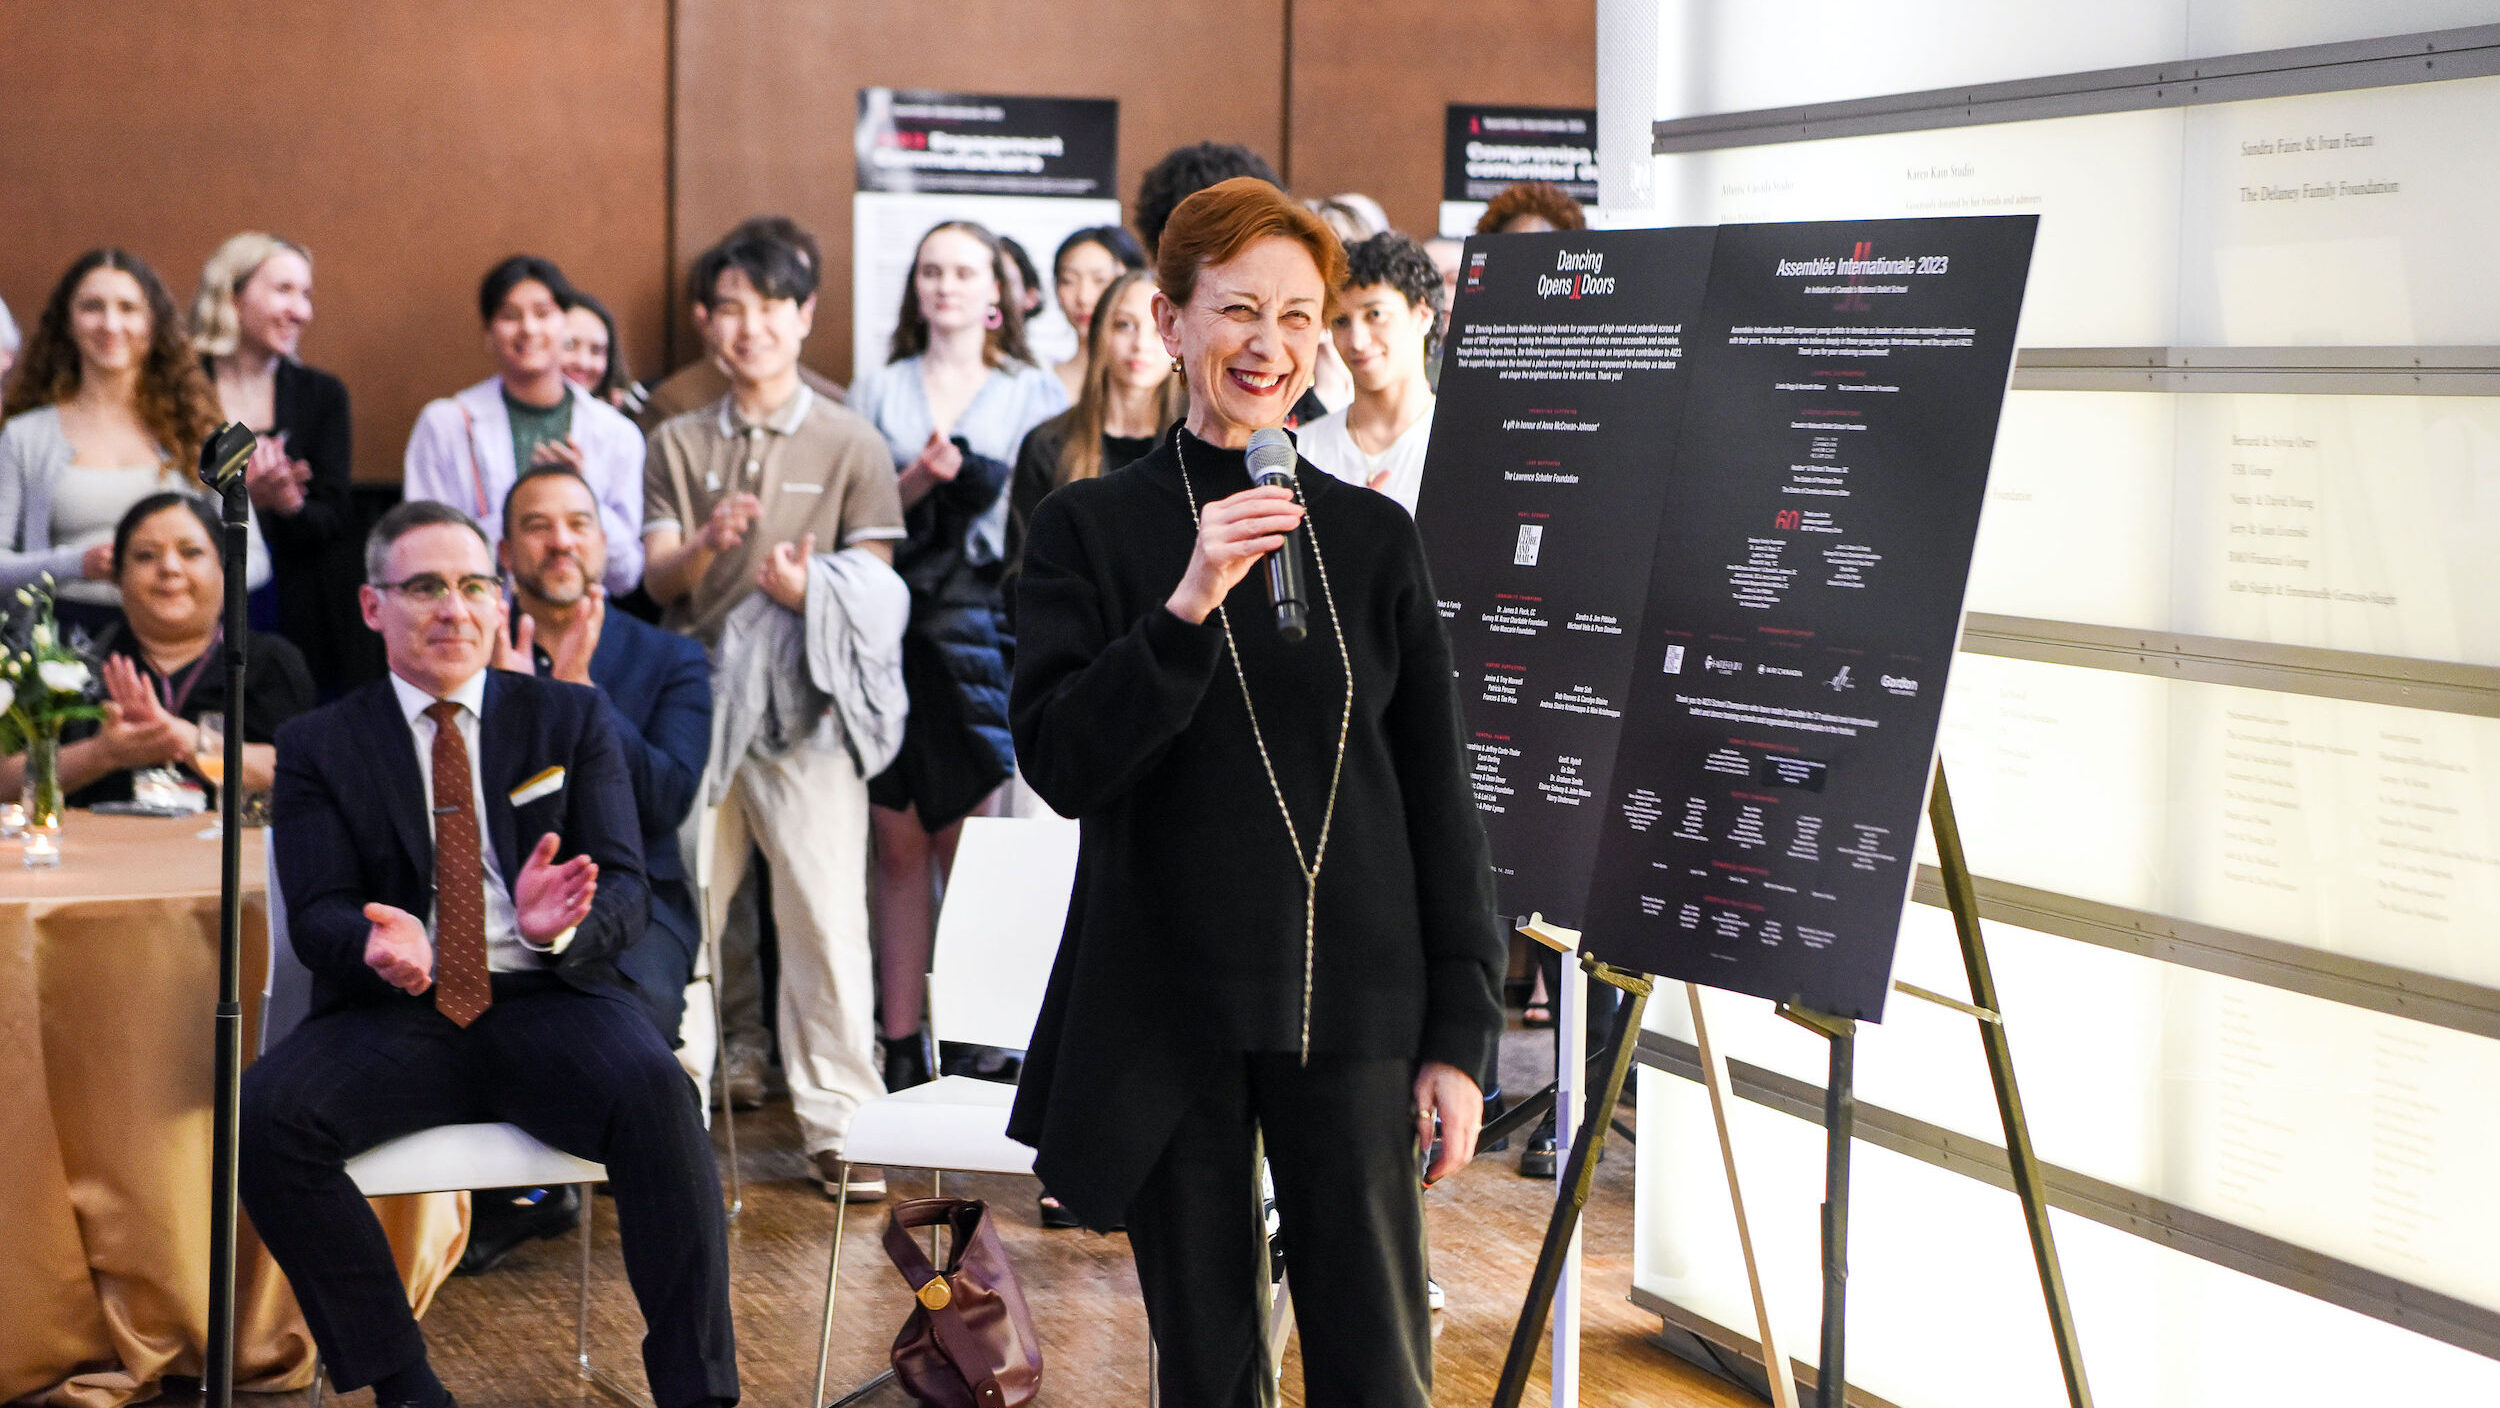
1560,1252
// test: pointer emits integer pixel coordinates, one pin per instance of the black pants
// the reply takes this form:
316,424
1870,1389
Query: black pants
1340,1140
586,1074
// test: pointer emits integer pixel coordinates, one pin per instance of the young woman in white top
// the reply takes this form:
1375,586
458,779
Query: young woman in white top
1384,331
109,407
959,372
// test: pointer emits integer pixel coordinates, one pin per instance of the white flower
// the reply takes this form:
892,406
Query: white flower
8,695
63,676
43,635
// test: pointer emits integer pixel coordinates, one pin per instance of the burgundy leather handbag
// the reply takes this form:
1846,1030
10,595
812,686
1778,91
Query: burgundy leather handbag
969,1343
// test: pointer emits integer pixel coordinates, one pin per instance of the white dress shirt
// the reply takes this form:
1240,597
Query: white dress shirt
506,950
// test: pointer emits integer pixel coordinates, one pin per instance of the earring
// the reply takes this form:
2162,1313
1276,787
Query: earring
1177,368
993,319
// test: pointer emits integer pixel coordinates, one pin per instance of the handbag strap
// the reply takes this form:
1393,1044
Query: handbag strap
970,1356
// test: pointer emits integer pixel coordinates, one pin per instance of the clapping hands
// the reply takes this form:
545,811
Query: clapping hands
274,480
550,898
784,574
139,731
397,948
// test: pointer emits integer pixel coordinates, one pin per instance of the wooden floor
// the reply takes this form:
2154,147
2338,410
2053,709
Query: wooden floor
506,1339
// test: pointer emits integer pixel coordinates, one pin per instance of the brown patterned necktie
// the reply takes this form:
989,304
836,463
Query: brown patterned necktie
462,988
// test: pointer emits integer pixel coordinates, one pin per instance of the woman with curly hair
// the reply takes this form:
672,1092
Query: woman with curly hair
109,407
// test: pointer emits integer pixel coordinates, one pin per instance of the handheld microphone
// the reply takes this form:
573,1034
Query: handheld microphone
1272,461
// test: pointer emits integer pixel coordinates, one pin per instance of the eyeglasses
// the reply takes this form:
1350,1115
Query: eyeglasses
429,590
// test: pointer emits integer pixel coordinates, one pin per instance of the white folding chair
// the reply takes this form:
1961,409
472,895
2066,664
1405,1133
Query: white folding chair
997,933
451,1158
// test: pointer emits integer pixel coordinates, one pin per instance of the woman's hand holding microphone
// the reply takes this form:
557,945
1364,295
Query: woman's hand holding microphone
1233,535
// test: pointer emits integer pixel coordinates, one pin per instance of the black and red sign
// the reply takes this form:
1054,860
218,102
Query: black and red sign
915,139
1484,149
1807,481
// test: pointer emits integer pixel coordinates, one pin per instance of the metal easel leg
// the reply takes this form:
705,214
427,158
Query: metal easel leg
1775,1365
1962,897
1840,1118
1578,1174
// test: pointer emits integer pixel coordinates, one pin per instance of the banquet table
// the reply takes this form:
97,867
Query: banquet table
108,991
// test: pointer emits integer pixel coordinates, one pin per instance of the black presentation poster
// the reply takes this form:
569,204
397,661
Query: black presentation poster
1700,507
1551,445
1804,603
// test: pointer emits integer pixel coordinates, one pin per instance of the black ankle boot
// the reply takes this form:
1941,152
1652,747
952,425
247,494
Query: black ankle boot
909,1061
1542,1152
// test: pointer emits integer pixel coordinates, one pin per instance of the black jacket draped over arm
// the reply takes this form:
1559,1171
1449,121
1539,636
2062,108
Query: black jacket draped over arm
1184,938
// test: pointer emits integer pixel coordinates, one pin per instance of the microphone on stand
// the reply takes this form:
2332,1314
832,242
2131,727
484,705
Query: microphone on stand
1272,461
222,460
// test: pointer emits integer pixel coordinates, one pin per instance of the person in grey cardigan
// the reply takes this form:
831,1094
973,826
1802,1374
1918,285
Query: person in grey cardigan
108,408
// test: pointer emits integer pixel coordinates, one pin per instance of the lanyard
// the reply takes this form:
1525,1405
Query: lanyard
176,698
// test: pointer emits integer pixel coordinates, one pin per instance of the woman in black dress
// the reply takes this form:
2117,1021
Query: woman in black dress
1282,933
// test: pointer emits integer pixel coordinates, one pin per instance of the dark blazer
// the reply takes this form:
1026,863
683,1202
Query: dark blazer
659,691
658,688
348,812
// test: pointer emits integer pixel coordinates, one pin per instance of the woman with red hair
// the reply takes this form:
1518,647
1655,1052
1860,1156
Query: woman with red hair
1283,931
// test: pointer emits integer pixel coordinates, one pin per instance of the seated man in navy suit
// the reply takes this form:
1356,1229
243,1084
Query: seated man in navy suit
461,858
659,692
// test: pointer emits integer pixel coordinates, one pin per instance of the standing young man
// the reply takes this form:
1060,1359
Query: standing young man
1391,303
739,495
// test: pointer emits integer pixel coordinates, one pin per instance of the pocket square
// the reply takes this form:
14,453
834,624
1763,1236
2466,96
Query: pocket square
537,787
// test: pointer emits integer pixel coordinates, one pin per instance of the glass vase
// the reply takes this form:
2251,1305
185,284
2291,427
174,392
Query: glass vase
43,800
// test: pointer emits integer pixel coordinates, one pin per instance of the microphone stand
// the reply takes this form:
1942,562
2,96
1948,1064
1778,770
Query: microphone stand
221,467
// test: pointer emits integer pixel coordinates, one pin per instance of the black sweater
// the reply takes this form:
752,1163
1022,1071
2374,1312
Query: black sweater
1184,938
316,554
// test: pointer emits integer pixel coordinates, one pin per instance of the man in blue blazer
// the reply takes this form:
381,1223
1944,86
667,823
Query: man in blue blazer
461,857
658,688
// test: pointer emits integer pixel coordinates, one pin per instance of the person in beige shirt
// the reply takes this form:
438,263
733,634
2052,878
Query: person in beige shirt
738,495
702,382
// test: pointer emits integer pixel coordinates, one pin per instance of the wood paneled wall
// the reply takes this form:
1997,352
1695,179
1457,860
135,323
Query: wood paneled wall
767,91
411,145
408,145
1371,78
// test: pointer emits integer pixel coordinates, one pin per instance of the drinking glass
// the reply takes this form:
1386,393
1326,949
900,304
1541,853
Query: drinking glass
208,758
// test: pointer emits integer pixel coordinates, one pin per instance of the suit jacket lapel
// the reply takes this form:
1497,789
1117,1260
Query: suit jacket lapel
503,729
403,790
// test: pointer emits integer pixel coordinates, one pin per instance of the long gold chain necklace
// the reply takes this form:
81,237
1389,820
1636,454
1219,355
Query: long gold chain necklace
1345,723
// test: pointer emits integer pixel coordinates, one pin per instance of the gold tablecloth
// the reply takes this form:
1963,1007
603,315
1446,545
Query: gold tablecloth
108,993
